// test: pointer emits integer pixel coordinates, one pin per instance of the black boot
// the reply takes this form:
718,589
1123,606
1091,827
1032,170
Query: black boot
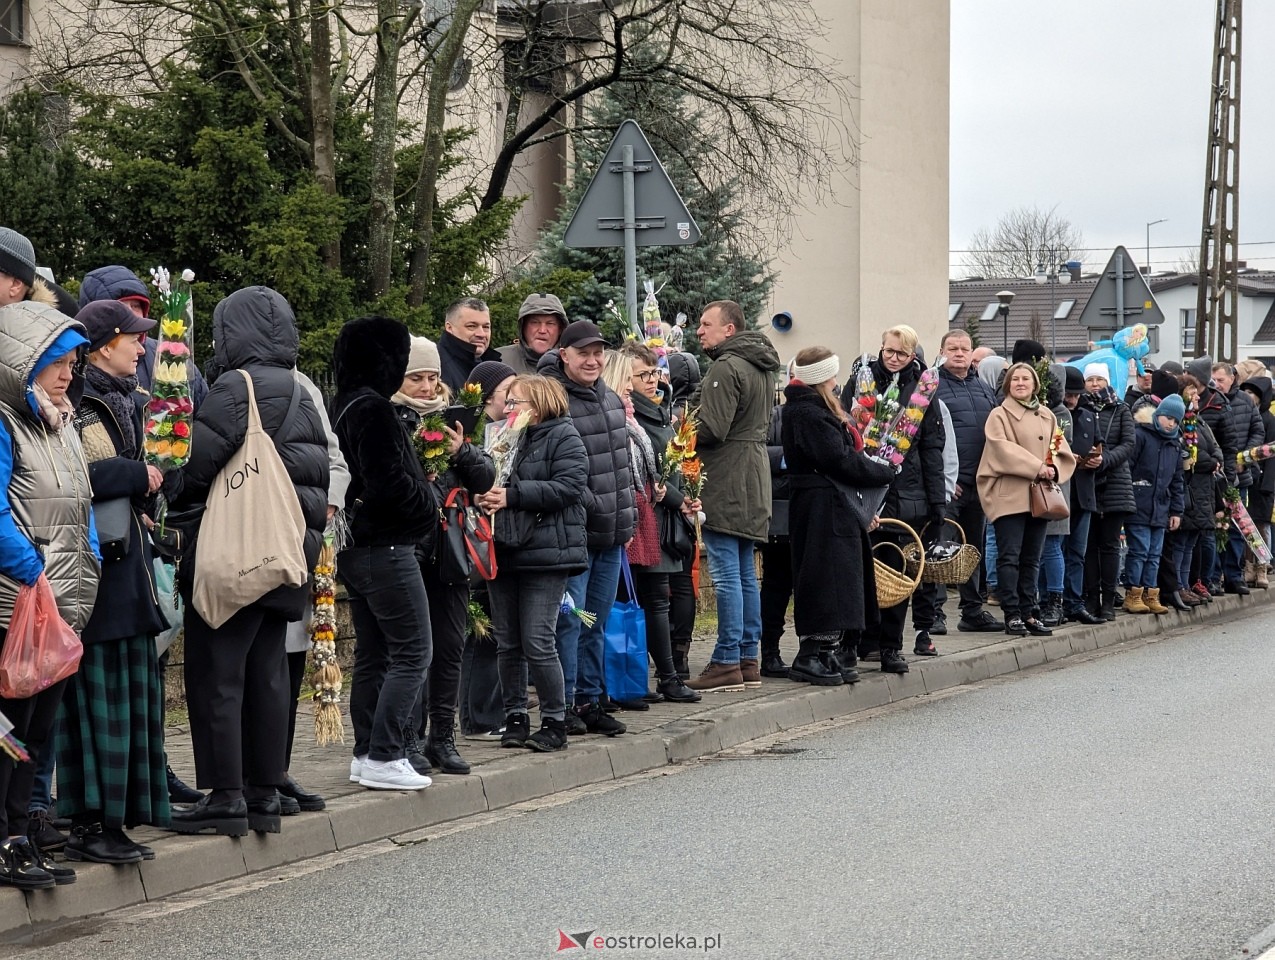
179,792
20,868
60,872
596,720
834,657
440,748
772,664
1051,615
808,667
415,754
89,841
1176,602
892,661
675,690
681,661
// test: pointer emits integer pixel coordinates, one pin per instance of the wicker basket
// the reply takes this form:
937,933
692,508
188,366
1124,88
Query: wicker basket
953,571
893,586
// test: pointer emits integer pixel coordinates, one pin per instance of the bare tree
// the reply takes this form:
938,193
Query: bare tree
1021,240
1189,263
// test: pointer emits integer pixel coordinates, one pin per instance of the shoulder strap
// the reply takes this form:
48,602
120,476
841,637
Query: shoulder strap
254,415
346,409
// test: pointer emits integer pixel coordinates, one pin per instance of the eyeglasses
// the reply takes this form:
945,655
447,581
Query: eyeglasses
513,401
895,354
650,376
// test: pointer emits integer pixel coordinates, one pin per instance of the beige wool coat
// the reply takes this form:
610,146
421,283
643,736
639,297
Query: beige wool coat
1017,444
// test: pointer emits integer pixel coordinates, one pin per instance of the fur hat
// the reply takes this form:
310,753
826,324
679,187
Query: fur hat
371,352
17,256
423,356
1027,351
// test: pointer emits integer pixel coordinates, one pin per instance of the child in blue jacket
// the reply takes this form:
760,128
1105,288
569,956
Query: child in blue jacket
1159,498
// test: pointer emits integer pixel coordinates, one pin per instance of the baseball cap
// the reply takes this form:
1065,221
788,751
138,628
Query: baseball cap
581,333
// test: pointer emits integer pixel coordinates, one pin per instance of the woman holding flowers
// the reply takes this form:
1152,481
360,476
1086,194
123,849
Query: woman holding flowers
648,444
885,389
540,490
1024,444
111,770
834,590
1195,548
420,402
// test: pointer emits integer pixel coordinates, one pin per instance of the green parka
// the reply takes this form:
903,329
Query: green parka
733,406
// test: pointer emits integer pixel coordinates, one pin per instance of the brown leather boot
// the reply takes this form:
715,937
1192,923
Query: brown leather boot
750,670
1152,600
1133,602
719,678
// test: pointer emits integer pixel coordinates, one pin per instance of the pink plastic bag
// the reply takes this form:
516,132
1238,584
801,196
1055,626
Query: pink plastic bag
40,648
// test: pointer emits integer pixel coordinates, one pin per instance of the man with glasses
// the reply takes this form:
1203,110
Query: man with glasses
598,416
465,341
733,407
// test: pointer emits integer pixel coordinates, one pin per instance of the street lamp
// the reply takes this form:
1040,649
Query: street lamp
1006,297
1150,224
1053,275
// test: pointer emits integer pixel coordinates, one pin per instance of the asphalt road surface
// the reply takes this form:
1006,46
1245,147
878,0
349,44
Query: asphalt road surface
1117,807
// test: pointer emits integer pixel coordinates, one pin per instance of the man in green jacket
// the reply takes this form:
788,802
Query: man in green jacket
733,408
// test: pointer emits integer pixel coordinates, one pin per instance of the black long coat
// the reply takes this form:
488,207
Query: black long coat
833,583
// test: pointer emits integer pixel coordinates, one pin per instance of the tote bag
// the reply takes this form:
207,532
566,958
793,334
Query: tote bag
624,656
466,552
252,538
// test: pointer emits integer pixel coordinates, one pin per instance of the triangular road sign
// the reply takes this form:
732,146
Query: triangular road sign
1121,282
661,220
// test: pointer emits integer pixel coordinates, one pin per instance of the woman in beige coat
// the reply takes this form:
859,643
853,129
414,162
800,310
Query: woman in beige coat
1023,445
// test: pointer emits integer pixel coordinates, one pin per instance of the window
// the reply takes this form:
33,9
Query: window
12,15
1064,308
952,310
1188,331
990,311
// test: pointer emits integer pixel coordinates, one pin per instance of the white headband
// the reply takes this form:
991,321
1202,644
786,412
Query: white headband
1098,370
816,373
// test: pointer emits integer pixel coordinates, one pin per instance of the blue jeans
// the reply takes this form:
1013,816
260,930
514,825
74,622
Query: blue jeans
1145,546
730,561
580,648
1233,558
989,557
1051,565
1074,548
1183,548
42,789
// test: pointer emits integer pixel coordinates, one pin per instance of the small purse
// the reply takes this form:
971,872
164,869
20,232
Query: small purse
677,534
114,522
1047,501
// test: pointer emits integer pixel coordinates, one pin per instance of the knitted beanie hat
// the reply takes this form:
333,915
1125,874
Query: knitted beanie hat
489,375
17,256
1171,406
1098,370
423,356
1201,368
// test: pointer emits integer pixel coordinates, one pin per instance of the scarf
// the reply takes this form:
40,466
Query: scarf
1101,399
1031,404
54,415
117,394
641,455
424,407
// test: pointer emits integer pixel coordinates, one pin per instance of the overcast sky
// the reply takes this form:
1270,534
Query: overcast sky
1100,107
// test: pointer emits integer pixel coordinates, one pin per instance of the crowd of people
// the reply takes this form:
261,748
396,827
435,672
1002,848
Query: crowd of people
584,511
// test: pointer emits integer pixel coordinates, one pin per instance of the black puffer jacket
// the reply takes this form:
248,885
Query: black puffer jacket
549,479
254,330
1201,483
1262,494
1215,410
389,502
684,377
918,490
598,416
779,483
1247,431
458,360
970,402
1114,430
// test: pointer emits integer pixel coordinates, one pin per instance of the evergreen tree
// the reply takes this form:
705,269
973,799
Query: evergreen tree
721,266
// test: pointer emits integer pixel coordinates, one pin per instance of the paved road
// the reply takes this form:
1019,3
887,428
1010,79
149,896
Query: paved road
1120,807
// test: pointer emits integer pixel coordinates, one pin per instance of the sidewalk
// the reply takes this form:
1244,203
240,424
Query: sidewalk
668,733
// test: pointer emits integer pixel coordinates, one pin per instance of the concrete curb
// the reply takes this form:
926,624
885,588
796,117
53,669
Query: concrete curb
183,864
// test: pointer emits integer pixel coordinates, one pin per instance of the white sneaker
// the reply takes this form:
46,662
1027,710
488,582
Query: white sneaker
356,768
392,775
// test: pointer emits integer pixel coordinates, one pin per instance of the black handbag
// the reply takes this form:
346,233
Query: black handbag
114,522
677,536
466,551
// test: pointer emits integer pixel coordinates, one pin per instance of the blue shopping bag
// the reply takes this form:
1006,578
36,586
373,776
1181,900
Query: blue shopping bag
624,657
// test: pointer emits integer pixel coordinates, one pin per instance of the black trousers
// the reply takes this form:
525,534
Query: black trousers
296,675
968,512
1102,558
681,606
1020,538
776,592
237,695
33,720
653,598
449,621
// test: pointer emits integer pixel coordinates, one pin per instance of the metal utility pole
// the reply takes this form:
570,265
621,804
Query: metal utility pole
1216,331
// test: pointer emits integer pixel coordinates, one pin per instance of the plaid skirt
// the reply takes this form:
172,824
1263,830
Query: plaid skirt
110,736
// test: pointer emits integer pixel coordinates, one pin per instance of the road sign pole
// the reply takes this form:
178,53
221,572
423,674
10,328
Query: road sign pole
630,241
1119,260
